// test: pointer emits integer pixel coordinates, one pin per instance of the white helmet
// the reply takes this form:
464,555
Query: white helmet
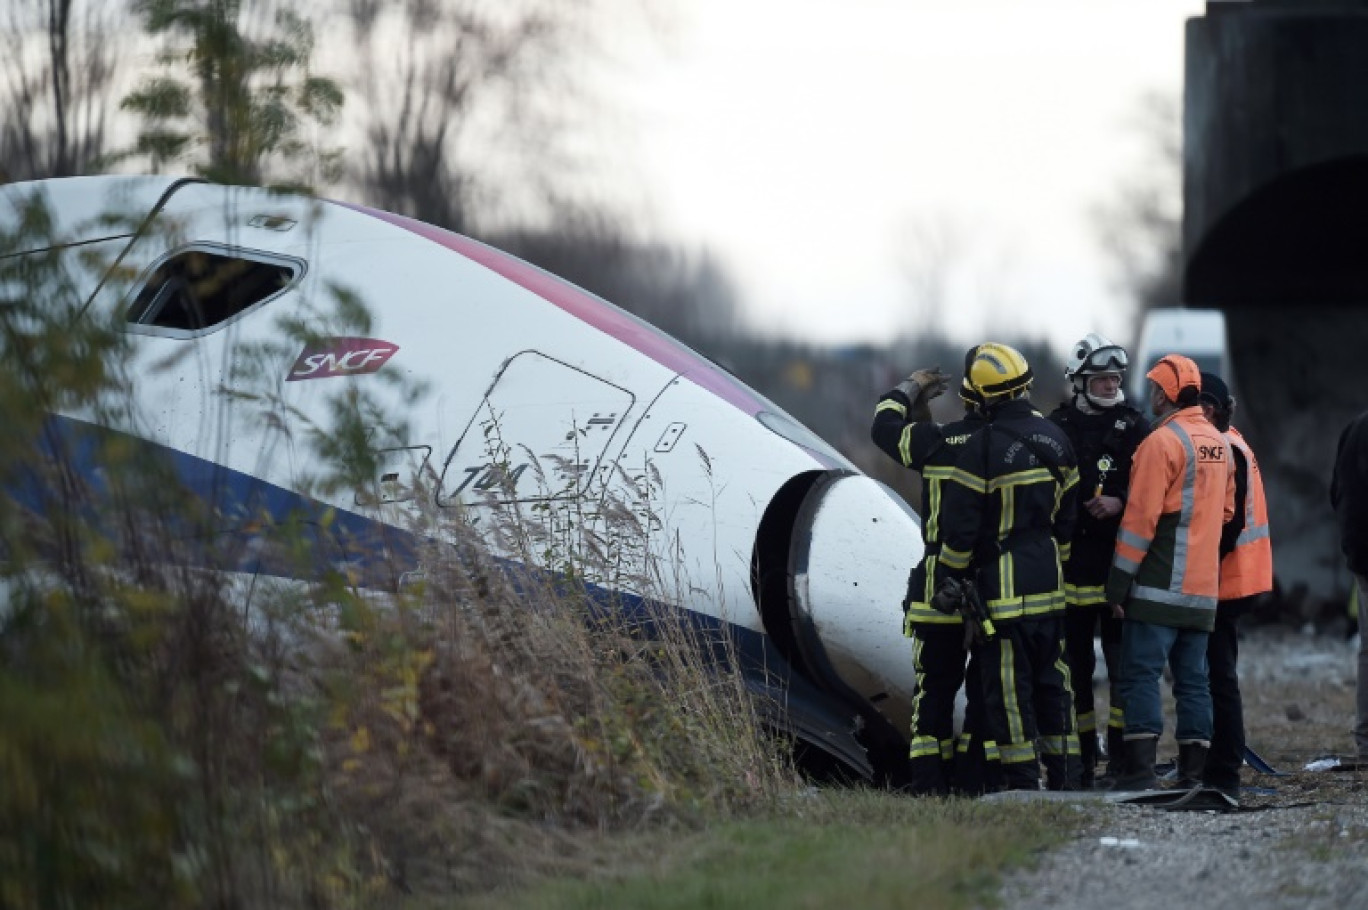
1094,355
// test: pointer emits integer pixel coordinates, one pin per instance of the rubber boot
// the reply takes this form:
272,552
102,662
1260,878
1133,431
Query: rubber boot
1141,753
1087,747
1191,762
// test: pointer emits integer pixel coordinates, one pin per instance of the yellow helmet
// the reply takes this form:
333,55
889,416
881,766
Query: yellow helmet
999,370
967,393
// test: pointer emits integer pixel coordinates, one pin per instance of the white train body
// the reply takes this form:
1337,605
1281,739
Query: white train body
536,391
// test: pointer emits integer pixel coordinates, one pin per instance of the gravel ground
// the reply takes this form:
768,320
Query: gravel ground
1300,840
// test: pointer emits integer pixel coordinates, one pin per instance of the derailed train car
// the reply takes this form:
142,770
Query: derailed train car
508,386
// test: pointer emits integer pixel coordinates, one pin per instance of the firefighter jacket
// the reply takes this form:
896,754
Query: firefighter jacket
1008,513
1104,443
1246,549
1166,568
1349,494
930,449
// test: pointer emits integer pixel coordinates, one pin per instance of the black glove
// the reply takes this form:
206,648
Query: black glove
950,597
924,385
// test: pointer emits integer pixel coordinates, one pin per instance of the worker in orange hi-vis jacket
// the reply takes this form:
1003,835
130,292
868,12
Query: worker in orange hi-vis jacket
1165,576
1246,572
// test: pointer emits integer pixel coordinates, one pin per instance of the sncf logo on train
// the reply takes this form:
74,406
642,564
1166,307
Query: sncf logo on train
341,357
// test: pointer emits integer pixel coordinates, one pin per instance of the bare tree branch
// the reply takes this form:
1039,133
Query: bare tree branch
1142,229
60,63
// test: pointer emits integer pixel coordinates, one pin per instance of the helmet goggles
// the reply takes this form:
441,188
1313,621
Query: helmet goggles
1109,359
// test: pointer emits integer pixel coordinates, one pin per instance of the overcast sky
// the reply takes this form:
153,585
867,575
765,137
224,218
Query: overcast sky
805,140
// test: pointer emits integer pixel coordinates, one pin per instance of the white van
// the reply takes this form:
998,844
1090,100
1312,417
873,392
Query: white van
1199,334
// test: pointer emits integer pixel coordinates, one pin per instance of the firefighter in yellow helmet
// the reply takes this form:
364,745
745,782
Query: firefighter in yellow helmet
939,761
1007,518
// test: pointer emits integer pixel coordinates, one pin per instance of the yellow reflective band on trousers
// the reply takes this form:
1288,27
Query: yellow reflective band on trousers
1087,722
926,747
1007,674
1070,741
1016,753
1057,744
922,746
1084,595
920,676
1116,719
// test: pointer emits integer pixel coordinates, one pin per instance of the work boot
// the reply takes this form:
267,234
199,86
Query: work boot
1230,793
1141,753
1087,747
1062,772
1191,762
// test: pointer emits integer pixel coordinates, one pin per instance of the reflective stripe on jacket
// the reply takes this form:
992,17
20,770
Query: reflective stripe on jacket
1167,564
930,449
1007,519
1248,569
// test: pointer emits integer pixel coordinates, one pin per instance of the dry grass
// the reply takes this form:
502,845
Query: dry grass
491,714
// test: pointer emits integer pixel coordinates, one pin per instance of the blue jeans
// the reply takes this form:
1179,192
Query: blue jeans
1144,649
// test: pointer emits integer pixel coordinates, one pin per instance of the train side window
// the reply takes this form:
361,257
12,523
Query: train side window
199,289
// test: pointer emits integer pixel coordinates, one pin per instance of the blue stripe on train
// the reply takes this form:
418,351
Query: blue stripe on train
248,525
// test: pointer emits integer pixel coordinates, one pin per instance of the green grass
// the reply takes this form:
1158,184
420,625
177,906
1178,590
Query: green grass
833,849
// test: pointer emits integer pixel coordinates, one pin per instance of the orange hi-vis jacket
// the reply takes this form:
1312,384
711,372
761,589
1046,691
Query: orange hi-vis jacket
1166,569
1248,569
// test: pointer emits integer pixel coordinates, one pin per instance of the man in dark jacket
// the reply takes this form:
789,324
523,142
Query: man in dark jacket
903,429
1349,496
1007,517
1104,431
1246,574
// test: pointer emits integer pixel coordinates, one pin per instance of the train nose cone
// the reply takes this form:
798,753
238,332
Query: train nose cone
854,544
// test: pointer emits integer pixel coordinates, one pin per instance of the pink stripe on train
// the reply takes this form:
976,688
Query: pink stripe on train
590,309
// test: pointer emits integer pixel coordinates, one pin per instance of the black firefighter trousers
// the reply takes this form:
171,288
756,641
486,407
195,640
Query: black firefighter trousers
941,762
1028,702
1081,624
